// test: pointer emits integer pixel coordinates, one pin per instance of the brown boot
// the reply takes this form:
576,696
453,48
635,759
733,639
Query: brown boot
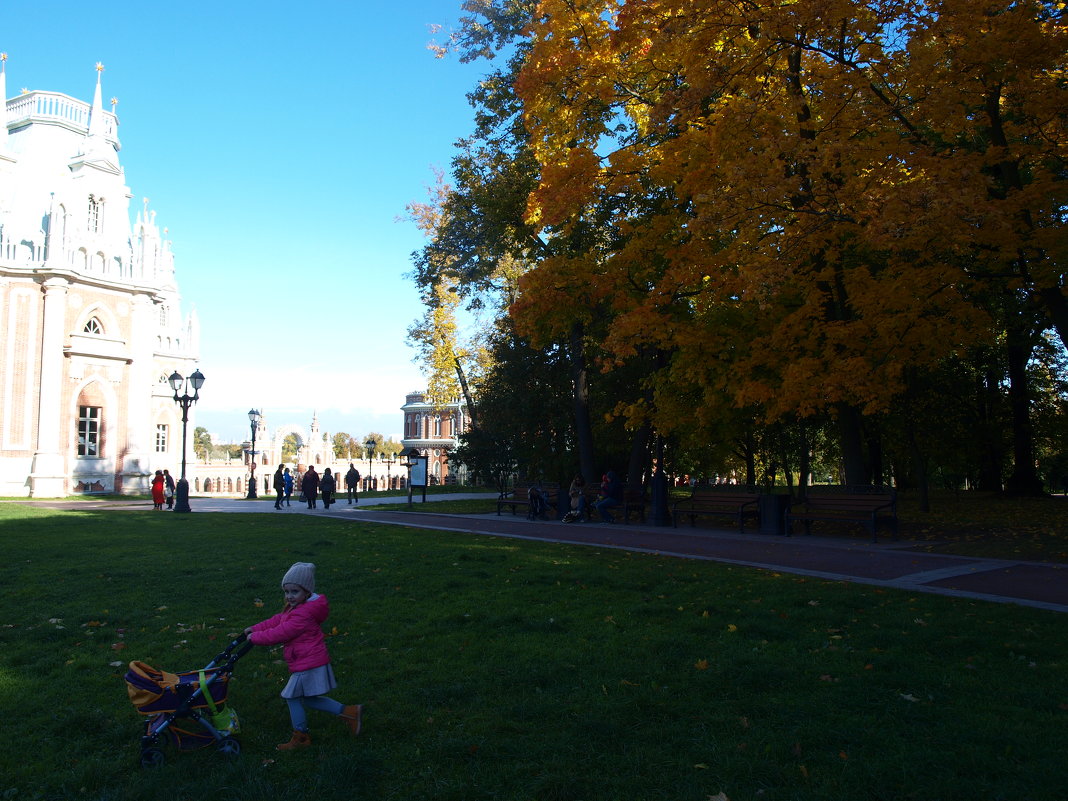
300,739
353,717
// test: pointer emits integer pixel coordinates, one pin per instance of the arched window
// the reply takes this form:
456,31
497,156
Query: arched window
93,326
94,215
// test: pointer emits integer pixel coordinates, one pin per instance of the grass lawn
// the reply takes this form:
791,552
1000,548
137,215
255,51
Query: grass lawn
503,669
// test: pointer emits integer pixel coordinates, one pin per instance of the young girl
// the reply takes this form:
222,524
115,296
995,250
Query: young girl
299,626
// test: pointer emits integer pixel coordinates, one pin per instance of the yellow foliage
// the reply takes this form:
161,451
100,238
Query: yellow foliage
846,177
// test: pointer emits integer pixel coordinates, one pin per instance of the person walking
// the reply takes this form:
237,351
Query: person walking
352,483
327,485
287,478
310,486
279,486
158,483
168,488
299,627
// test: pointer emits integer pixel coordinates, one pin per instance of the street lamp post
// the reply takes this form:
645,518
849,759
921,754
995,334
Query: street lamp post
389,479
185,400
370,445
254,418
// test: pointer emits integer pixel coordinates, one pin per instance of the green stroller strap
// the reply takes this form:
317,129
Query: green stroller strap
207,695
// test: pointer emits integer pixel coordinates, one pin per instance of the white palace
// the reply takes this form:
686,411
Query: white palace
90,314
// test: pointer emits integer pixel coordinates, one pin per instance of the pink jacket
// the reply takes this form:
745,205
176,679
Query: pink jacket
300,628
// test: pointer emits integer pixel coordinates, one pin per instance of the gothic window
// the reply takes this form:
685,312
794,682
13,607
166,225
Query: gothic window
92,326
89,431
94,215
161,438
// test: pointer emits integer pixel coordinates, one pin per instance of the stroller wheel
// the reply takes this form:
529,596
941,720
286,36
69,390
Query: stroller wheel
152,758
230,746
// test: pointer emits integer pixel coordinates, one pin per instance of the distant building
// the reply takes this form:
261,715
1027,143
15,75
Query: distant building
90,313
434,431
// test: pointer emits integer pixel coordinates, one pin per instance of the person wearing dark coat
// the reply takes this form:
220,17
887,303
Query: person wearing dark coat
327,486
279,486
611,495
352,483
310,486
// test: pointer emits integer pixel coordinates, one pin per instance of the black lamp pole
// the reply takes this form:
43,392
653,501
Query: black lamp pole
254,418
370,445
185,400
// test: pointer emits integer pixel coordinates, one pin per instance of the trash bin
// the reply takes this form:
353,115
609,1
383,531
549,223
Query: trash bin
772,507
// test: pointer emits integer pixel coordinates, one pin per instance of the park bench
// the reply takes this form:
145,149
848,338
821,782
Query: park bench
633,501
865,507
736,502
519,495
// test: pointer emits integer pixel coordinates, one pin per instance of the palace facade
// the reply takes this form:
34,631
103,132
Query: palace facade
434,431
91,323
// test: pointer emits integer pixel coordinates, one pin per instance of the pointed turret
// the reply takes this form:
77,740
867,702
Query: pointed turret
96,116
3,99
96,150
3,103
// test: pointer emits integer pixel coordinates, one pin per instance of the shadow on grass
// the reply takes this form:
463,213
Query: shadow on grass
515,669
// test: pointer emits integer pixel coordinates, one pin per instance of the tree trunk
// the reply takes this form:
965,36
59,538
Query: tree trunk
1024,479
919,466
580,400
850,439
990,451
639,456
804,463
472,413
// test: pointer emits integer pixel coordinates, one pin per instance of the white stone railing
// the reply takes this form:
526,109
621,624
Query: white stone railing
20,253
56,107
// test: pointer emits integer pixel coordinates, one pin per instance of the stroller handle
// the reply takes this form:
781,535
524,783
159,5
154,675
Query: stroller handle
229,655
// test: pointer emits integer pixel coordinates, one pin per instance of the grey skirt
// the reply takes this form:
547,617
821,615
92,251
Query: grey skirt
315,681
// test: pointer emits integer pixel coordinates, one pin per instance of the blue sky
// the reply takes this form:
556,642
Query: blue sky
279,143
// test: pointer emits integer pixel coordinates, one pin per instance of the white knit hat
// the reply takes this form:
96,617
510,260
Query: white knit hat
302,574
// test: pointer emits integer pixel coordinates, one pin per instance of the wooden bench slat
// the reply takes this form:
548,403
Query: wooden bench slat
518,495
724,503
865,509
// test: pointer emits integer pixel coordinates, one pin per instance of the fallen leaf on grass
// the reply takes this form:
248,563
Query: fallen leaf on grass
701,664
909,697
718,797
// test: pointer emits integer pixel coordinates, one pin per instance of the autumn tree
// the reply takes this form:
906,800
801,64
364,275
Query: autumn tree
202,443
291,446
343,445
848,180
487,243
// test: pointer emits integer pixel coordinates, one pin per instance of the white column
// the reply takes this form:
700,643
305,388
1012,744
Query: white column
48,474
137,464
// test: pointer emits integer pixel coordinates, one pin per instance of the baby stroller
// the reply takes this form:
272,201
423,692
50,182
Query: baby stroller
198,695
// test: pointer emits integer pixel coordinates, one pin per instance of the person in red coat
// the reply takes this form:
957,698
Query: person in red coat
158,487
300,627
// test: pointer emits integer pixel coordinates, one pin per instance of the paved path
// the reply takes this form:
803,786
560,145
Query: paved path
886,563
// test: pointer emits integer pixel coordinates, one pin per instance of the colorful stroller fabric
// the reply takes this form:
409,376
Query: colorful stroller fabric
153,691
197,695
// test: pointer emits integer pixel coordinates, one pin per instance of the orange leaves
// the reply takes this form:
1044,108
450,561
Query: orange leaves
822,257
